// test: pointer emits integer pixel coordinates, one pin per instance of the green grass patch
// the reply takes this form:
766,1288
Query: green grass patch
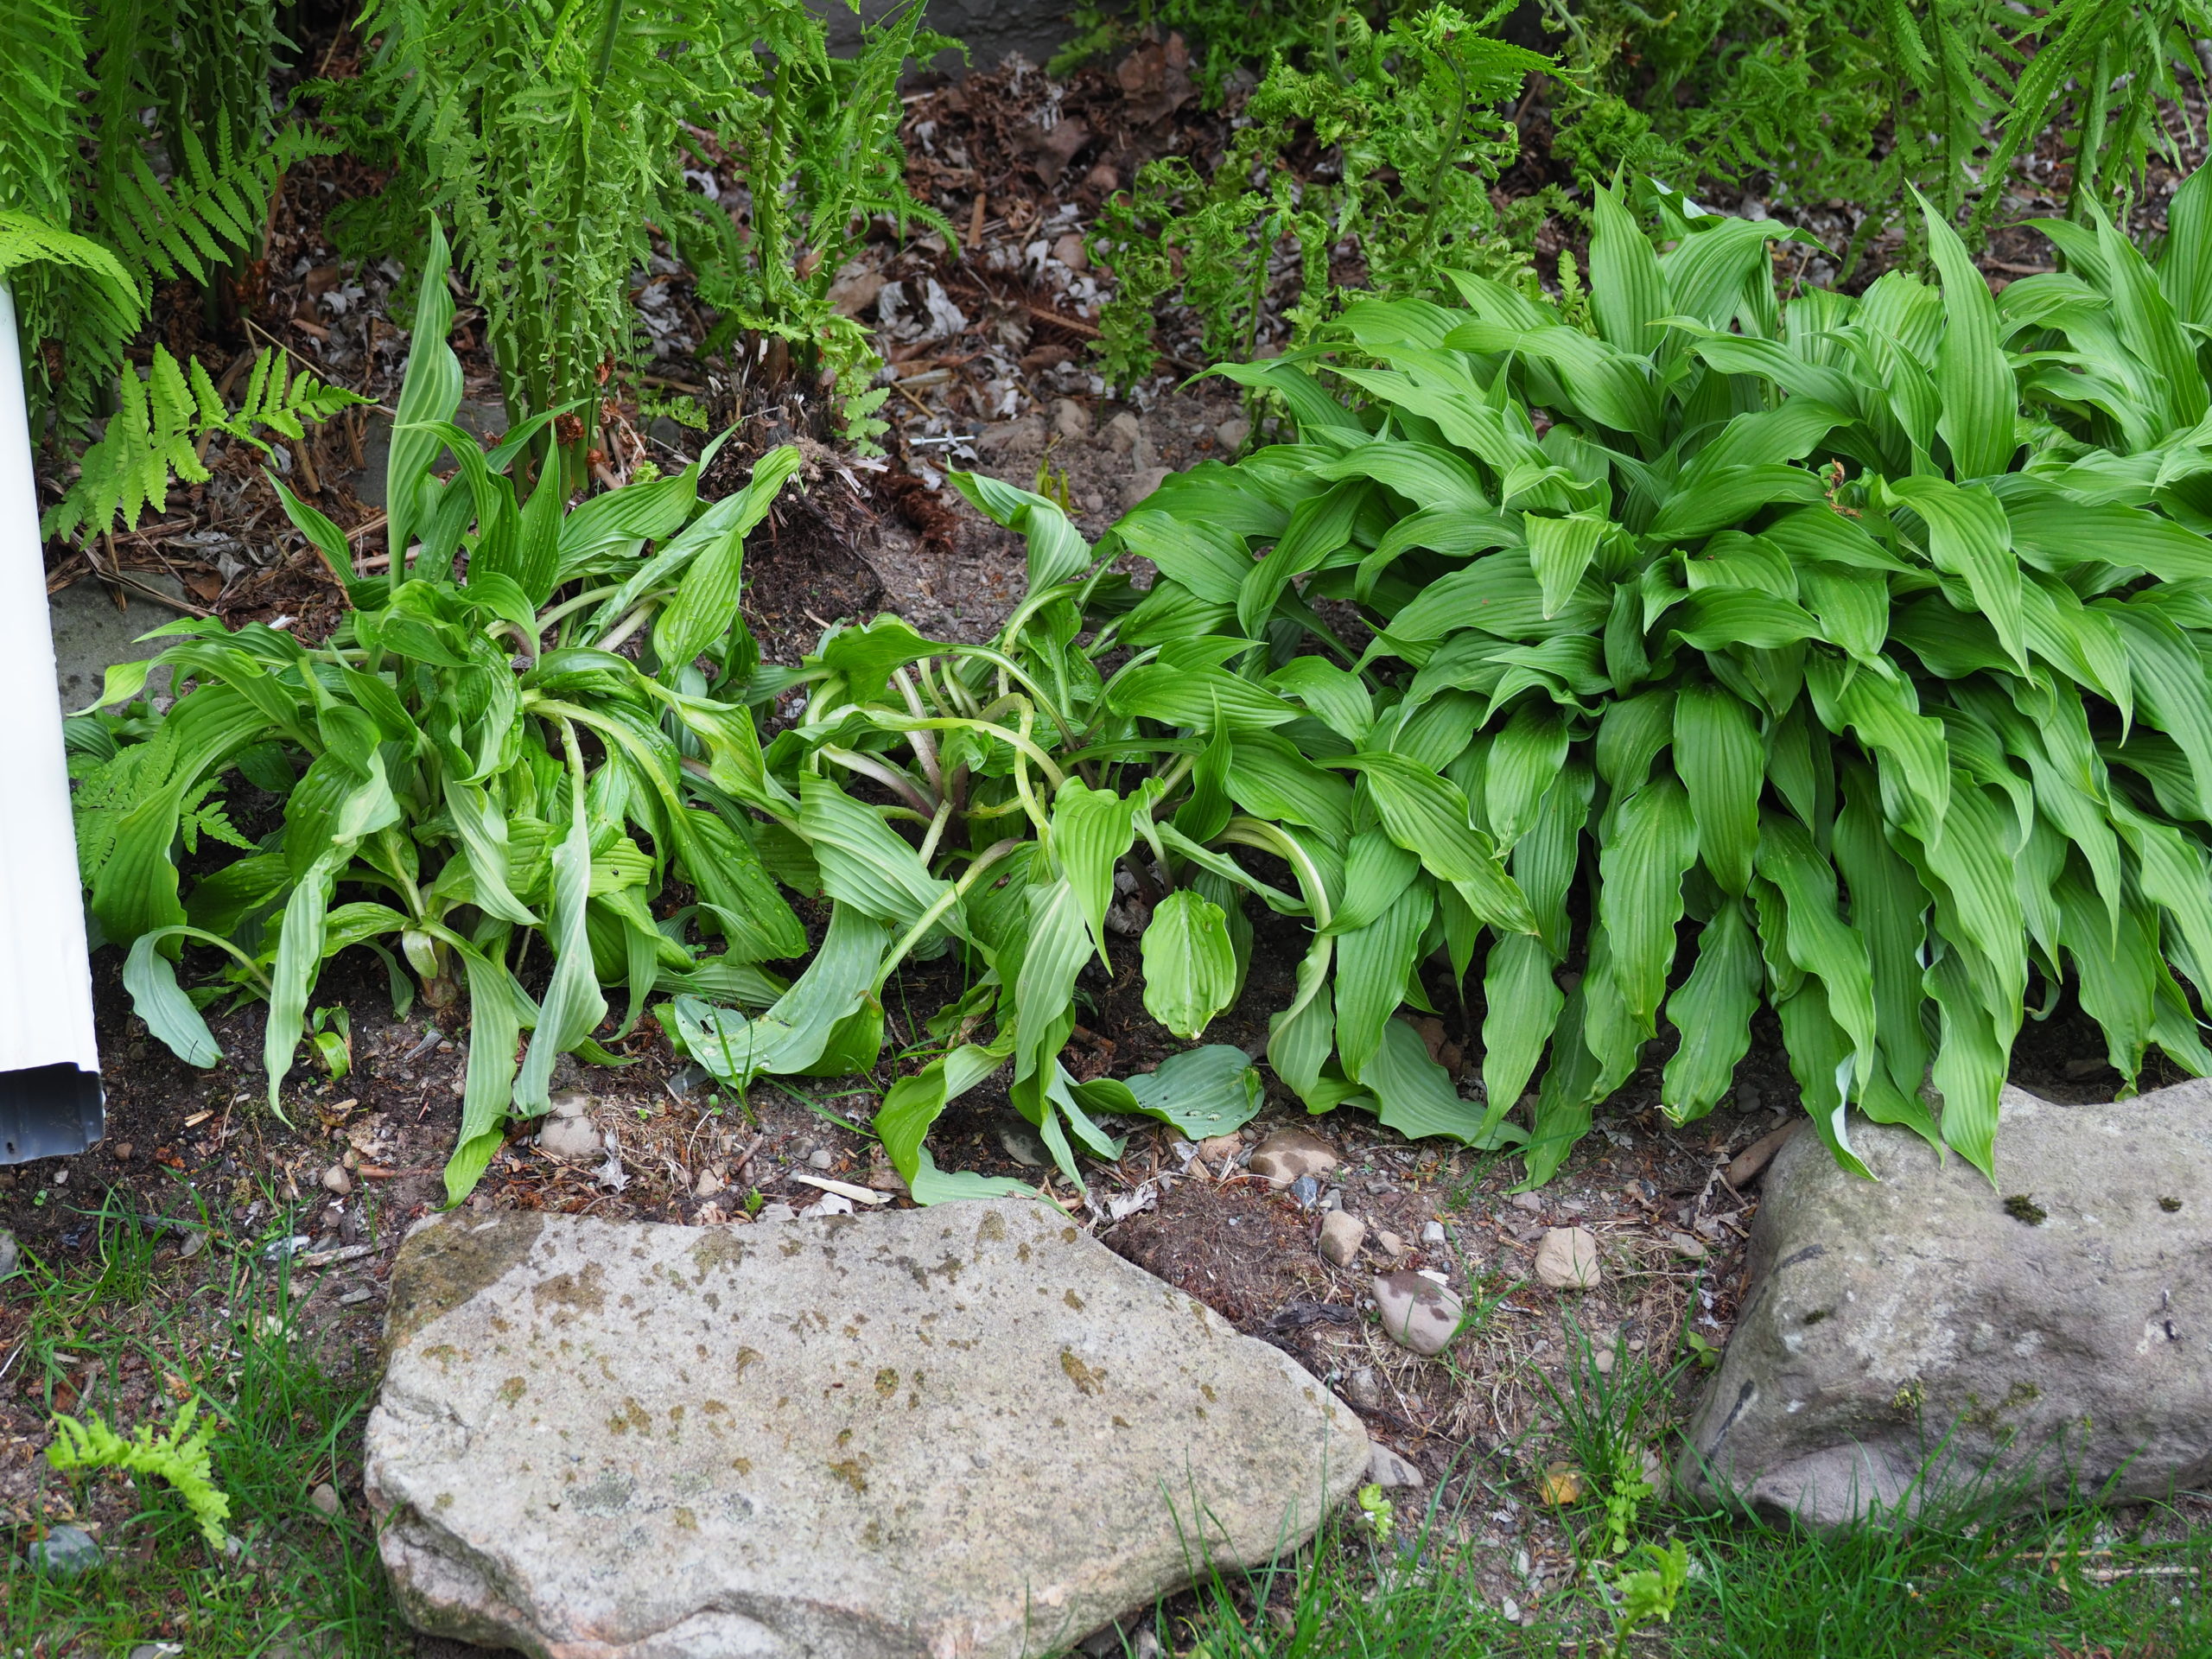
128,1333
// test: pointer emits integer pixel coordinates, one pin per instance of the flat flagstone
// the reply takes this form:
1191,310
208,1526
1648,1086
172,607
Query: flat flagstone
969,1430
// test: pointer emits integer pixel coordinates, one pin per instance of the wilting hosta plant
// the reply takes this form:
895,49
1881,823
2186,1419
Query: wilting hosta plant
468,764
1849,656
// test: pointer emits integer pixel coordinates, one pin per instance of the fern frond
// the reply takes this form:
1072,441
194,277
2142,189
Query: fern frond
156,430
25,240
180,1456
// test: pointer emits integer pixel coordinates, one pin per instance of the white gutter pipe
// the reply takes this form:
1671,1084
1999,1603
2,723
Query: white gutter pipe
50,1099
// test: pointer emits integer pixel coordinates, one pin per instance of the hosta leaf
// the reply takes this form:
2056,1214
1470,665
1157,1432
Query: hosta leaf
1201,1091
1058,552
1712,1011
1650,844
1190,967
1560,551
864,861
1269,778
1521,1003
705,605
572,1006
1428,815
1972,375
912,1104
1721,760
1413,1094
1818,940
1969,535
1091,828
1372,963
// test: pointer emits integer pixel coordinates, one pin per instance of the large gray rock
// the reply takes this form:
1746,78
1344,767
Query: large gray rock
2057,1327
971,1430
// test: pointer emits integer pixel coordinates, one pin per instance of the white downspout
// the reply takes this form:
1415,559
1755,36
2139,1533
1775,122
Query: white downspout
50,1100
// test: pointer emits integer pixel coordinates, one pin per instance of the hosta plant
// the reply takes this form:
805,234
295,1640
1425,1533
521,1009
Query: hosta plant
472,774
1847,657
976,803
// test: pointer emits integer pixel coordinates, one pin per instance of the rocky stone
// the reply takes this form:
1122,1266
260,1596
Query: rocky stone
573,1139
324,1500
1124,433
1306,1192
1021,1142
1071,419
1221,1150
69,1553
1289,1153
1144,481
1070,251
1341,1234
1417,1312
1390,1244
1567,1259
1532,1202
1012,438
1386,1468
1231,433
335,1180
820,1158
9,1255
1685,1247
1363,1388
1432,1233
772,1212
2051,1327
966,1430
1750,1163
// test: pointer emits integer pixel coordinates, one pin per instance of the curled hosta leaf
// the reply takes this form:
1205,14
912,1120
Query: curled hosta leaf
1189,967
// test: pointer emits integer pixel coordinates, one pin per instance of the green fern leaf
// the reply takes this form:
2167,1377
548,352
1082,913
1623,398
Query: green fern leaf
180,1456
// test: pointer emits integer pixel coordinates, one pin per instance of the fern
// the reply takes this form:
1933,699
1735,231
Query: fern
553,139
179,1456
211,208
156,431
1858,100
1413,111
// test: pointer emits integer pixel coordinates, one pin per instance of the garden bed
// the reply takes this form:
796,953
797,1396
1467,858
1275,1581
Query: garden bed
219,1193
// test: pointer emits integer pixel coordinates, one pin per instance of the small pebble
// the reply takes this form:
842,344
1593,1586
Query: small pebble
776,1212
1531,1202
324,1501
1390,1244
1386,1468
1510,1609
1289,1153
821,1158
9,1253
1219,1150
1341,1234
1307,1191
1685,1247
1417,1312
64,1553
1567,1259
1433,1233
157,1650
1363,1389
335,1180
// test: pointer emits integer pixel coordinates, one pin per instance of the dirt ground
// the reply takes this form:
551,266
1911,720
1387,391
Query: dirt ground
1010,392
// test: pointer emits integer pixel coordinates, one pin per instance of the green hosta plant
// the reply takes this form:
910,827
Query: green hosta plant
979,800
470,769
1847,658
